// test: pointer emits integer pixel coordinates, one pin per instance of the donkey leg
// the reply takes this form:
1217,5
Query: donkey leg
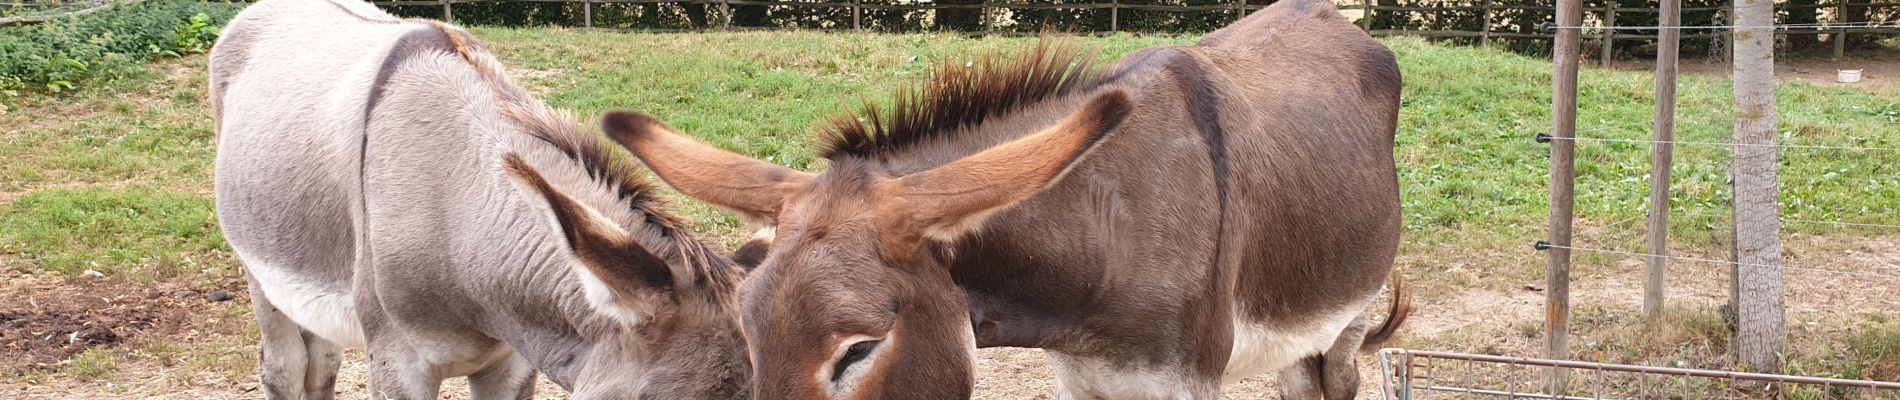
283,358
1333,374
510,378
1339,367
396,374
323,358
1086,377
1301,381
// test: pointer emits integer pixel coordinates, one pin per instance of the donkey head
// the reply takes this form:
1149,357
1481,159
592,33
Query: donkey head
671,309
854,299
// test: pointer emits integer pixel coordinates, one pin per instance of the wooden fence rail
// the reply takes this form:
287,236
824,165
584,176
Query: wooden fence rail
1488,10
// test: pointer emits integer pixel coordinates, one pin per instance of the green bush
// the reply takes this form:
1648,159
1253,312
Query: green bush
69,53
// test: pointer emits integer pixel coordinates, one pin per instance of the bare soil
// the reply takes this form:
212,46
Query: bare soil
1852,277
45,321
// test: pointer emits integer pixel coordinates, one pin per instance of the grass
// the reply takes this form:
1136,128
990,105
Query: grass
116,178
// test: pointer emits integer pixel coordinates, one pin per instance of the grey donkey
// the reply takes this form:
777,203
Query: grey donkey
388,187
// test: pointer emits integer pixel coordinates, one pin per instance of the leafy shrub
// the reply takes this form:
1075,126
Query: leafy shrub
70,53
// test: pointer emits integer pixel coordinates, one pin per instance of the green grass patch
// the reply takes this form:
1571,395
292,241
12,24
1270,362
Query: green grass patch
137,230
68,53
94,363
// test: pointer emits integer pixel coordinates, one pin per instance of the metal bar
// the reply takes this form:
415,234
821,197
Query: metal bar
1563,124
1662,158
1487,392
1645,369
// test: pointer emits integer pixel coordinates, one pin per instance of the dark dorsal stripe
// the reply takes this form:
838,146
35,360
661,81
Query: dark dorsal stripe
558,129
961,95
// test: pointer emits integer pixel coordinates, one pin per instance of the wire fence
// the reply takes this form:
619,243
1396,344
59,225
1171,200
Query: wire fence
1423,375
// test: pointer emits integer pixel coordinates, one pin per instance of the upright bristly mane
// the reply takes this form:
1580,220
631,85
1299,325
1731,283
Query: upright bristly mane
558,128
960,95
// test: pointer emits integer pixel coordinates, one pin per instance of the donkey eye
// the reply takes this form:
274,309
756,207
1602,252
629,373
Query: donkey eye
857,352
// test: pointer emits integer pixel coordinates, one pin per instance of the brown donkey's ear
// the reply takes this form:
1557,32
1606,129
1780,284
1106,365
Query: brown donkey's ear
755,189
621,279
950,200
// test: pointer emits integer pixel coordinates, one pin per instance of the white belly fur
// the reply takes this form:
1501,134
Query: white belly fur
326,309
1260,349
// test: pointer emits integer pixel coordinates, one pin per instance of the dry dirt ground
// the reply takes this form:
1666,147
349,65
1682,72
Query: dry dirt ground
167,329
107,338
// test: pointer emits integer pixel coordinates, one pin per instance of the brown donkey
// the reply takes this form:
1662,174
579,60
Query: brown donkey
388,187
1185,218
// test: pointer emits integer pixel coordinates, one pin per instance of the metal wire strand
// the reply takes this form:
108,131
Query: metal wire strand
1728,144
1804,26
1714,261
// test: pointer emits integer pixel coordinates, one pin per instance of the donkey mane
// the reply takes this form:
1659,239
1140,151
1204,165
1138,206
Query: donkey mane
558,128
961,96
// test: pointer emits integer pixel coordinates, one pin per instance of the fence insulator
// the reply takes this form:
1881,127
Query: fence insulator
1542,137
1541,245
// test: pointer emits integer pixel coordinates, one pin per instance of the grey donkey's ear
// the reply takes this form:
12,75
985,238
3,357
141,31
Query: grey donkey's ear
621,279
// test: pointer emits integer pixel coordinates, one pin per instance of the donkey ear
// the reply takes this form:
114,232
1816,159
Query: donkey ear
621,279
950,200
754,189
752,253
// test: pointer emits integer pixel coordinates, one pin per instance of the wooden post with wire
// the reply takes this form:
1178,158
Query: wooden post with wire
1662,154
1563,152
1757,299
1840,34
987,25
1365,18
1484,33
1608,53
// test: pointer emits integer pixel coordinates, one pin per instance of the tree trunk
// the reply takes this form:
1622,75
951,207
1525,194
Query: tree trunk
1759,334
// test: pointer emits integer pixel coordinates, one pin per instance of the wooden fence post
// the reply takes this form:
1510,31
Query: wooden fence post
725,12
1240,9
987,25
1563,151
1484,34
447,14
856,10
1365,18
1115,15
1609,34
1662,154
1840,34
587,14
1758,308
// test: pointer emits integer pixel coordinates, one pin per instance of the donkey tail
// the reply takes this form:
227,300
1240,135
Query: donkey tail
1394,316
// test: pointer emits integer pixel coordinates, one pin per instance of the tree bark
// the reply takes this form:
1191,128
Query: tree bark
1759,334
